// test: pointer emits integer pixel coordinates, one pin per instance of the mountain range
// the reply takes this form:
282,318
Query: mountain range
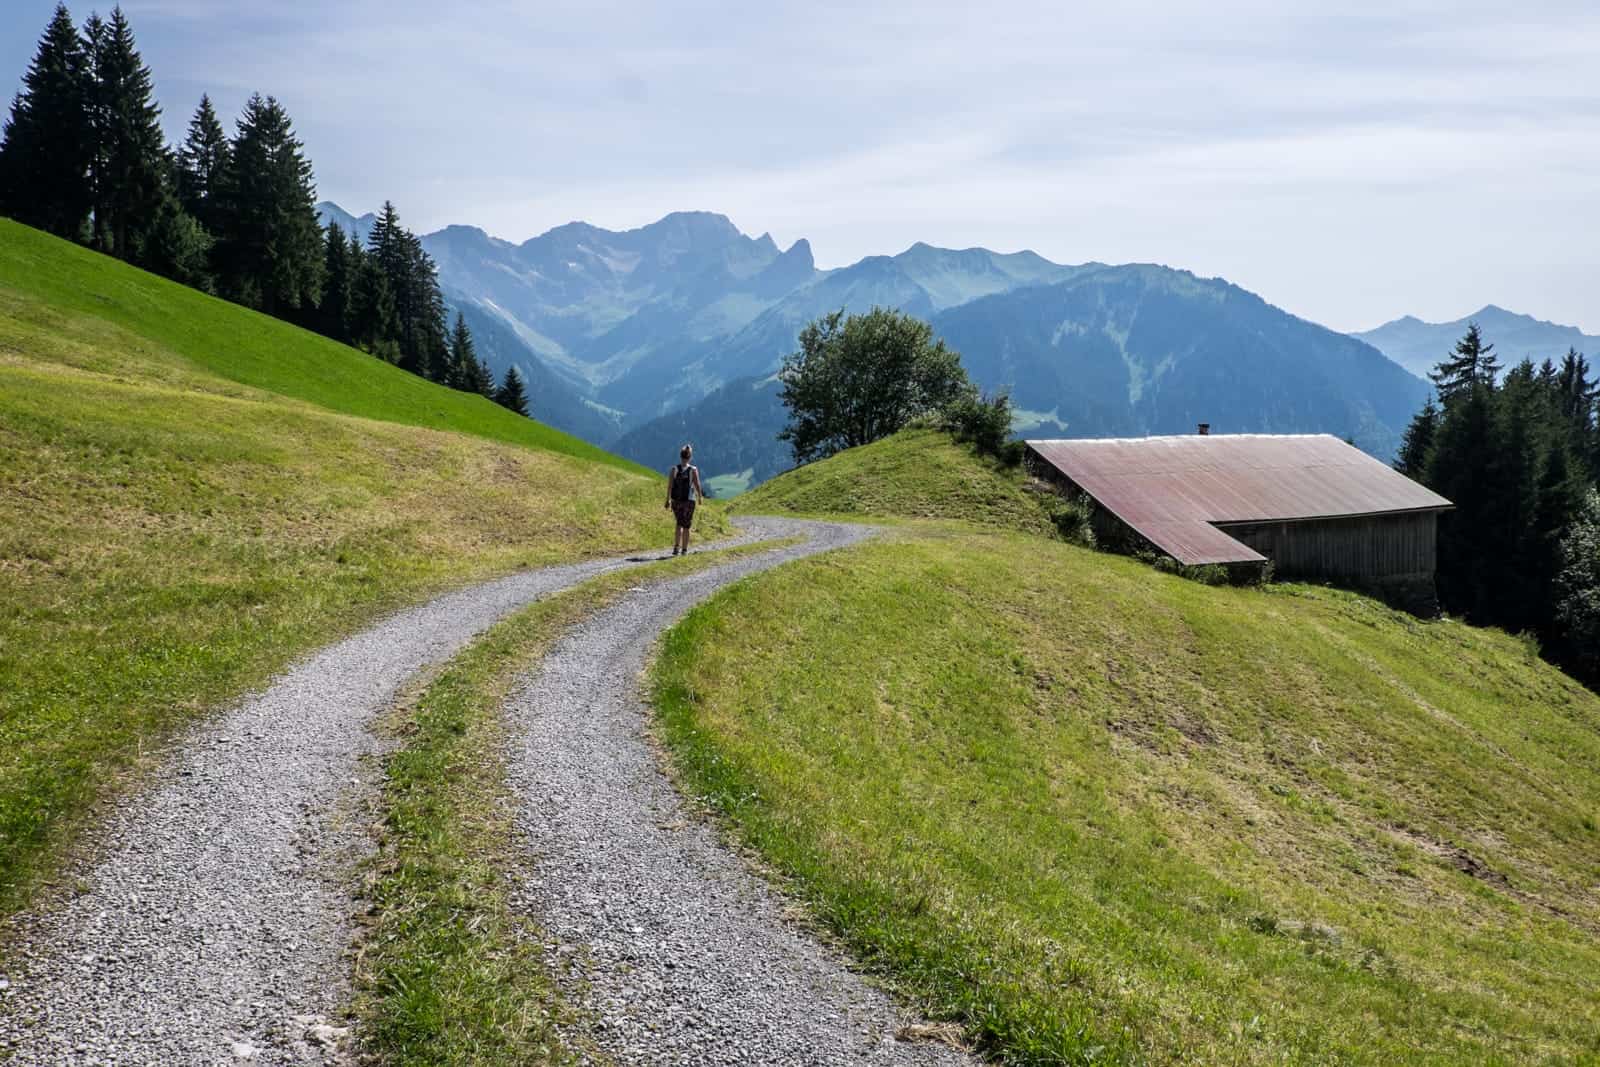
1418,346
642,339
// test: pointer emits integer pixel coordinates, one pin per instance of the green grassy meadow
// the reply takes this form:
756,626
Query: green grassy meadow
1097,813
193,495
175,334
916,474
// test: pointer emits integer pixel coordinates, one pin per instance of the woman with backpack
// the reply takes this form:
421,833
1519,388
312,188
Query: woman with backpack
683,491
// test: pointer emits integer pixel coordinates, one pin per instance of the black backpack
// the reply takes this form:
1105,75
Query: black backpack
682,482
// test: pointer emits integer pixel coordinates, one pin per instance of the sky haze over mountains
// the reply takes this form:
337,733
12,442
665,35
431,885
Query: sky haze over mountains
1355,165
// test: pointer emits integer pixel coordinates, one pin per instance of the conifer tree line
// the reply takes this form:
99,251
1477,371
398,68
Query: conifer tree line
1519,455
83,157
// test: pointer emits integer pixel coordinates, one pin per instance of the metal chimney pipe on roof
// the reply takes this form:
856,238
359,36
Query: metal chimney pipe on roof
1205,428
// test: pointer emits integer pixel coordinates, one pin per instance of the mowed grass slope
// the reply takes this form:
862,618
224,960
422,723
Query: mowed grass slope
170,538
188,330
915,474
1101,814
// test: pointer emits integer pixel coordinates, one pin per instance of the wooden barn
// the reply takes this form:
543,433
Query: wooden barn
1314,506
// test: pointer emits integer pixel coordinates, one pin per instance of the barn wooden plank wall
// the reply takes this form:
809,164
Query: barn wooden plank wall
1375,547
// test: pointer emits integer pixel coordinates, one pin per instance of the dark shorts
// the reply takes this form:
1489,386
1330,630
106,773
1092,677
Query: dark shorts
684,511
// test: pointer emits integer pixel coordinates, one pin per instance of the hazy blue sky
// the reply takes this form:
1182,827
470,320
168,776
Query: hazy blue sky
1349,161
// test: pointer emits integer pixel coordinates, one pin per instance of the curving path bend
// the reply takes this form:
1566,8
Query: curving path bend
684,955
213,921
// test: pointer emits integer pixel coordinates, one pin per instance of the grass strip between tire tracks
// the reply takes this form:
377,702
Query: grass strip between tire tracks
450,971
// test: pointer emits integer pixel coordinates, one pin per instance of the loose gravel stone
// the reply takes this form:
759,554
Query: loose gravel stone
685,955
219,907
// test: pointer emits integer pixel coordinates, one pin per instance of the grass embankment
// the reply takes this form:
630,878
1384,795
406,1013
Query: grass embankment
168,331
170,538
451,974
916,474
1098,813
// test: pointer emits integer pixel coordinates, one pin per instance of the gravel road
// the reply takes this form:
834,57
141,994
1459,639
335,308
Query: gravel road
679,953
212,922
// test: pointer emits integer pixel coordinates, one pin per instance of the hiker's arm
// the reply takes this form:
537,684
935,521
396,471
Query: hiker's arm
700,494
668,504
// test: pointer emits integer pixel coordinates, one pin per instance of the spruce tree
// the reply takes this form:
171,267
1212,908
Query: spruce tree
413,280
1507,488
177,246
337,304
385,241
420,307
1472,362
45,155
468,372
386,258
460,346
130,153
511,394
356,268
1558,500
271,245
480,379
1463,450
1417,444
202,162
373,318
1577,398
429,329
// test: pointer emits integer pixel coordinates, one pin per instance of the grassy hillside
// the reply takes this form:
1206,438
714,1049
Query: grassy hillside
172,533
918,474
1102,814
185,331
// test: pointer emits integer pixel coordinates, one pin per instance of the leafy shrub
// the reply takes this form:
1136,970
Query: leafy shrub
1578,591
984,422
856,380
1073,517
1204,573
1209,573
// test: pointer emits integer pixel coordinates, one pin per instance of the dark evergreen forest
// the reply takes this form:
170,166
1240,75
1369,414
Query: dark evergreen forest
1519,454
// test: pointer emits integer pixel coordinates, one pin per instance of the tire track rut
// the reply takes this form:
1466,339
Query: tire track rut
683,954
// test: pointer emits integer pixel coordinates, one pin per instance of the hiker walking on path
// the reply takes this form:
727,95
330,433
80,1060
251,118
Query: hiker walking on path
683,491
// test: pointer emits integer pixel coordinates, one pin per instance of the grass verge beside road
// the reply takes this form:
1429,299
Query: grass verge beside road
450,973
1100,814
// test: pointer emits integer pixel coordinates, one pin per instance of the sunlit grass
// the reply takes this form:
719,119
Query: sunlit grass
167,331
1099,813
916,474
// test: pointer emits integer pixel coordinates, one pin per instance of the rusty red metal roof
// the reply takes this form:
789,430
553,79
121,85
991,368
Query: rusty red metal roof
1175,491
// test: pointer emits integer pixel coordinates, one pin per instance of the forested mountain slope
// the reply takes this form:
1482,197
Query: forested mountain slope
1116,351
